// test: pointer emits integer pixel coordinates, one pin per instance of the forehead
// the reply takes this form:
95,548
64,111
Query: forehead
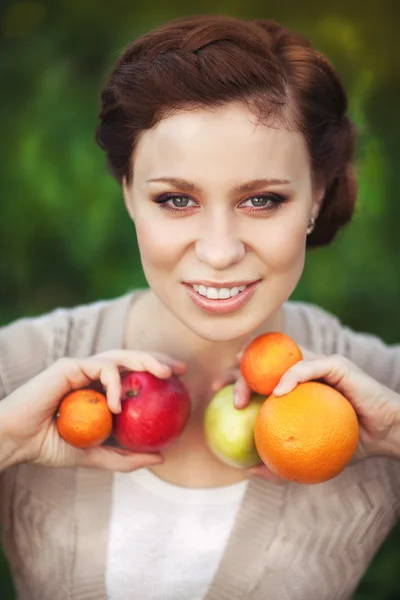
221,142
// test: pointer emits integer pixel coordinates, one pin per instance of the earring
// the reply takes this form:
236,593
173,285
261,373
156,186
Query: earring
311,225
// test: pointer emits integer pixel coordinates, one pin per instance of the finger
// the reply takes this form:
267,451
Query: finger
241,393
104,370
111,380
107,373
264,472
300,373
145,361
335,370
81,373
116,459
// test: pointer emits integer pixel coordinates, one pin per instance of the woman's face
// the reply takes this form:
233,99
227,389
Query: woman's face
221,207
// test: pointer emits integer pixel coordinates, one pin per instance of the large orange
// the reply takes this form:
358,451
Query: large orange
266,359
84,418
308,435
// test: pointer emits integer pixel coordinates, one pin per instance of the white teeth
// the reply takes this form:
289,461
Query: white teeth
224,293
218,293
212,293
202,290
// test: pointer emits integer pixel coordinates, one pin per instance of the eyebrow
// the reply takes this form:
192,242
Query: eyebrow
244,187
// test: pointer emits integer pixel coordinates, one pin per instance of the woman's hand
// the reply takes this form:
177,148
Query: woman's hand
376,405
28,431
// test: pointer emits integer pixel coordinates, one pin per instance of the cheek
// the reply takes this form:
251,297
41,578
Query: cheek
159,246
283,247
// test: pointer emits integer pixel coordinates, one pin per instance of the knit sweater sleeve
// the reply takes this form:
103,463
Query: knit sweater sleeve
31,344
28,345
381,361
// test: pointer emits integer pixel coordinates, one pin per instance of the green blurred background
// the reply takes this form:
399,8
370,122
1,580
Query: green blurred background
64,235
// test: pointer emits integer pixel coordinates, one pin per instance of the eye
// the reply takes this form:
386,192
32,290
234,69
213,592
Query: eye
264,201
180,201
175,201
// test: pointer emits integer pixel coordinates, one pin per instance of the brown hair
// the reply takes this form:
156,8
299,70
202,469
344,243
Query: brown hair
211,60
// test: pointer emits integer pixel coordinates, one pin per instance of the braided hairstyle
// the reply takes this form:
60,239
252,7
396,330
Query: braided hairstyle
212,60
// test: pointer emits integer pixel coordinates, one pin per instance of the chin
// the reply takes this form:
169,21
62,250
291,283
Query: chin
224,328
225,333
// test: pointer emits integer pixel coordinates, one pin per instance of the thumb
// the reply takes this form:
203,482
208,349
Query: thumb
116,459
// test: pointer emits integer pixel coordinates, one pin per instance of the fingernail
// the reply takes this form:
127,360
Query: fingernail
166,372
281,389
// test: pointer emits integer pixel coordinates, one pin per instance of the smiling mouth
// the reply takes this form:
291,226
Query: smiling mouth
221,300
214,293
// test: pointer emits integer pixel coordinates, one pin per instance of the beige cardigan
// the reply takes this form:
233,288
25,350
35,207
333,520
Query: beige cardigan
289,542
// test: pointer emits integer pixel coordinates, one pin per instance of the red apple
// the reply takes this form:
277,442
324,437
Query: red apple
154,411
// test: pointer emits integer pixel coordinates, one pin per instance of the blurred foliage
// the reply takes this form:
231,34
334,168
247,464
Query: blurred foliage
64,235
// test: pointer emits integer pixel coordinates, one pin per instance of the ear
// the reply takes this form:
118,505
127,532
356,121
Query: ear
127,193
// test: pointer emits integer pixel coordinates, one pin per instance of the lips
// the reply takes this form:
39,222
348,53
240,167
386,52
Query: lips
221,305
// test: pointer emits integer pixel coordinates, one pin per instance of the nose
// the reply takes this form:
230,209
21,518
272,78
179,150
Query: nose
218,244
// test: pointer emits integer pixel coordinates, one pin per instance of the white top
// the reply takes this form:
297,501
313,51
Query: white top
166,541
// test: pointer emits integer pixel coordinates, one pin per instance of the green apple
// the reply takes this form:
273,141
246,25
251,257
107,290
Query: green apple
229,432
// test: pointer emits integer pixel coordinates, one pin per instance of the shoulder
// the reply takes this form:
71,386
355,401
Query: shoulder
322,332
30,344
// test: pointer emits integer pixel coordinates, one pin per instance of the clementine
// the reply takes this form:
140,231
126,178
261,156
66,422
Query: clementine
84,418
308,435
266,359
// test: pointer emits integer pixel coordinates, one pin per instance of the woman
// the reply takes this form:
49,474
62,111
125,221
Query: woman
234,152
